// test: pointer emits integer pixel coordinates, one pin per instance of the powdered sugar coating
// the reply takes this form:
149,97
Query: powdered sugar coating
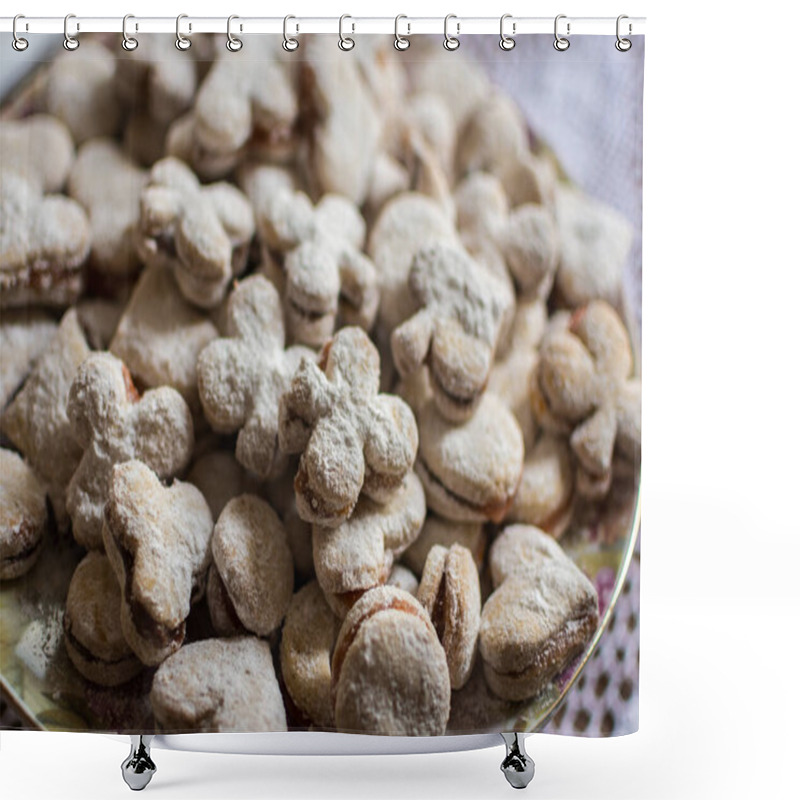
241,377
389,669
44,242
201,232
445,532
160,336
251,554
450,591
158,540
93,634
23,516
456,329
107,183
595,240
313,255
545,493
357,555
584,386
470,471
307,640
219,685
543,612
351,437
406,224
23,141
113,424
24,336
37,422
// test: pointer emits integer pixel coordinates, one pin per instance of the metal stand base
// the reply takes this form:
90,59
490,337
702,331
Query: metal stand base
517,766
138,768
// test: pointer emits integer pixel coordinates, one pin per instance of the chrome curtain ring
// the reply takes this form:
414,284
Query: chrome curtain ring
401,42
182,42
71,43
18,43
561,43
451,42
290,44
507,42
234,44
129,42
623,45
346,42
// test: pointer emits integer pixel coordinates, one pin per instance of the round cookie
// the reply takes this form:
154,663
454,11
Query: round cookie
92,630
254,562
545,495
450,591
309,634
389,670
470,471
219,685
23,516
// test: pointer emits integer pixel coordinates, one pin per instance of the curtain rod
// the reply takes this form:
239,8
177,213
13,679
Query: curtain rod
460,26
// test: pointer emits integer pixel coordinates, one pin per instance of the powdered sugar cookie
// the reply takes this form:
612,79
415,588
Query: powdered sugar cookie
584,386
541,615
317,264
358,555
252,558
38,147
158,541
219,685
309,634
389,670
44,243
92,629
113,423
351,437
37,422
200,232
440,531
24,336
241,377
470,471
450,591
160,336
23,516
456,329
107,184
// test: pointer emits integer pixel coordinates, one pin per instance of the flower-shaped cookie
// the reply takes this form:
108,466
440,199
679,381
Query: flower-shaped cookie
158,541
114,424
241,377
461,311
201,232
323,272
584,386
44,242
36,421
247,104
351,437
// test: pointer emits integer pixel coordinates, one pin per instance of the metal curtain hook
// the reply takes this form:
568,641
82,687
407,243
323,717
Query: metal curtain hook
71,43
451,42
561,43
507,42
181,41
623,45
401,42
129,42
234,44
290,44
346,42
18,43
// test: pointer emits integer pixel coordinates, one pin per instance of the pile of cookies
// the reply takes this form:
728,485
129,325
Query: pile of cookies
315,357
